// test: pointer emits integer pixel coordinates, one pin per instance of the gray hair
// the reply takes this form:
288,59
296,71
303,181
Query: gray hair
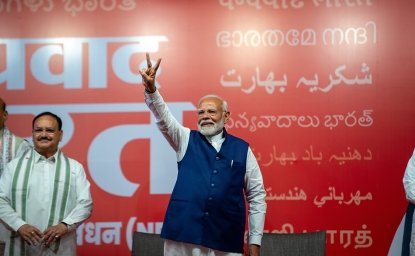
224,103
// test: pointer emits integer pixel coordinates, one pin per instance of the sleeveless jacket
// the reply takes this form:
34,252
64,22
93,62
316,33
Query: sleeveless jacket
207,205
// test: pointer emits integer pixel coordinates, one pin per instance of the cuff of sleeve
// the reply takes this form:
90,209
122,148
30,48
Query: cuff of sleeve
17,224
150,94
70,227
255,239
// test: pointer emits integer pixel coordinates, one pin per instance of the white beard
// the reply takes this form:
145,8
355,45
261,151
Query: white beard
212,130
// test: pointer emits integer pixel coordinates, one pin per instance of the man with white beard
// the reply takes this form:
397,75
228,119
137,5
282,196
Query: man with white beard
206,214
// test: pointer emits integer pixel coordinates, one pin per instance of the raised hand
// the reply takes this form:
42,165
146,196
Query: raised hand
149,74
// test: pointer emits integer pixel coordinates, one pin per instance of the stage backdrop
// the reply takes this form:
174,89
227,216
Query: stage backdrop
323,90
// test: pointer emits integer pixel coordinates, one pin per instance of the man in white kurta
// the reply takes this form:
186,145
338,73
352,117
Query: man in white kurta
178,136
213,114
44,195
11,146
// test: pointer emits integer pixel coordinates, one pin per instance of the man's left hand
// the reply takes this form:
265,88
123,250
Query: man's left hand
53,233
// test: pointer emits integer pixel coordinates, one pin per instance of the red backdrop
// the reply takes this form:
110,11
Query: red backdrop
322,90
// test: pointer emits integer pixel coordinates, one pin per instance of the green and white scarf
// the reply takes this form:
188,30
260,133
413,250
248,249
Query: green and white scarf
8,147
20,191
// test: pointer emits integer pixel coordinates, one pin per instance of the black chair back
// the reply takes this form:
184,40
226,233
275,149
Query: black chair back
294,244
147,244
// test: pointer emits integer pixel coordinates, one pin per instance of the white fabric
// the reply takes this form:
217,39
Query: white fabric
78,207
409,179
18,147
409,186
178,137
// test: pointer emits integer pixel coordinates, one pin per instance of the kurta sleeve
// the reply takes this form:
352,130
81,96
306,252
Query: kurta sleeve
255,196
176,134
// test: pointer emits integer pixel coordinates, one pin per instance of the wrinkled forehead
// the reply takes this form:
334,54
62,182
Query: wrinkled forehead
210,102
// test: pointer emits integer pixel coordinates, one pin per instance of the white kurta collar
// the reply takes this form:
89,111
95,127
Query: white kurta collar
39,157
215,138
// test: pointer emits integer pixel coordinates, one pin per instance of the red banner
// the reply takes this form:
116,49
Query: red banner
322,90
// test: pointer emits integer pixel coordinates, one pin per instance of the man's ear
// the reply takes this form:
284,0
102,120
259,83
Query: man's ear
227,116
5,115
